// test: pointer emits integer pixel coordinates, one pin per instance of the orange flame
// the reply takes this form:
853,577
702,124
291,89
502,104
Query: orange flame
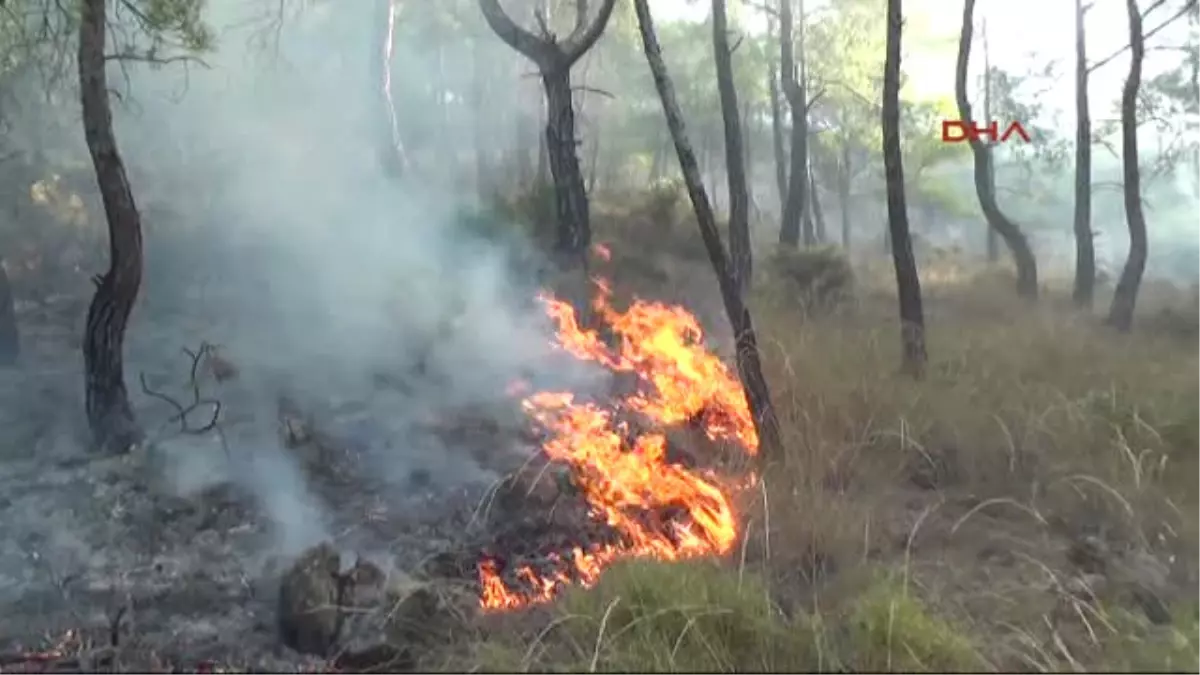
626,477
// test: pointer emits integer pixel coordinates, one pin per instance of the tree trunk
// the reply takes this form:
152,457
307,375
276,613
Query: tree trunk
993,245
543,164
1027,283
818,215
1085,250
110,416
1120,314
574,228
391,149
735,167
795,208
844,193
10,343
758,395
748,134
554,59
908,283
781,175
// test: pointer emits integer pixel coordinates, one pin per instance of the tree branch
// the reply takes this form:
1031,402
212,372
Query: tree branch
1188,6
582,39
528,44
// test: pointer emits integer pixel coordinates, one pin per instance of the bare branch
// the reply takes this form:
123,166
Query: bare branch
182,412
537,50
1188,6
582,39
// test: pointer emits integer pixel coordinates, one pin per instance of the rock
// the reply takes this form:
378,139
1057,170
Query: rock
308,613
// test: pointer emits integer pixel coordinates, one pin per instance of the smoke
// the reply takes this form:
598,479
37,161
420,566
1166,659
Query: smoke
260,173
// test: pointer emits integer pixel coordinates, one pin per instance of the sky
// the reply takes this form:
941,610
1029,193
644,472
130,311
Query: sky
1023,34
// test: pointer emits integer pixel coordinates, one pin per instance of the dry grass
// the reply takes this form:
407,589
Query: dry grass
1030,504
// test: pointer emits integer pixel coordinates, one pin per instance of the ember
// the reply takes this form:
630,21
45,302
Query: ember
655,507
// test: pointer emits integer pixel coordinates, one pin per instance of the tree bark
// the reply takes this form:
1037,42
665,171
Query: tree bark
908,282
1085,250
795,208
735,153
758,395
110,416
10,343
554,59
1120,314
1018,245
993,245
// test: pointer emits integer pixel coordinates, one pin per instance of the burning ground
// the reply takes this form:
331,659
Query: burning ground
174,556
617,525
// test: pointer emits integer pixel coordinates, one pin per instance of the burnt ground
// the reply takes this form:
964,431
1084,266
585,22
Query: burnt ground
185,537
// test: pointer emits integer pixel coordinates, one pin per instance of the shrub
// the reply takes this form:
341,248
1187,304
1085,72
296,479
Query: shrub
821,276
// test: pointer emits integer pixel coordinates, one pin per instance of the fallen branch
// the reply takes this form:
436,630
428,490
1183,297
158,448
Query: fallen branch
183,412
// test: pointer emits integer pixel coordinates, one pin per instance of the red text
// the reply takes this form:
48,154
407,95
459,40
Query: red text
957,131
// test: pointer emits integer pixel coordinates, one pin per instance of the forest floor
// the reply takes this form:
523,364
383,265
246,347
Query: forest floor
1030,505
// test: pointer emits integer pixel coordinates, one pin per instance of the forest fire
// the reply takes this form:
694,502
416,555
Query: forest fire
617,452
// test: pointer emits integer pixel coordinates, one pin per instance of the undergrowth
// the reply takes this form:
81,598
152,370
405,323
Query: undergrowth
1031,504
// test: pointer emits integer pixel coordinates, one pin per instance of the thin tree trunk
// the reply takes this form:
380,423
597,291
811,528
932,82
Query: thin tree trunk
1085,250
748,134
993,245
844,193
908,282
1027,282
794,90
10,343
1120,314
817,214
735,167
110,416
391,149
758,395
781,175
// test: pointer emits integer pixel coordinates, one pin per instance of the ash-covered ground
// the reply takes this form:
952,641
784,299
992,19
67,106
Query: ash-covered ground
187,535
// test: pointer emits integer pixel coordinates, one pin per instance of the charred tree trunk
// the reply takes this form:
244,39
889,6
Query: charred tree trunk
1120,314
795,208
1085,249
110,416
574,229
758,394
735,153
993,246
10,343
1027,282
908,282
554,60
817,214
